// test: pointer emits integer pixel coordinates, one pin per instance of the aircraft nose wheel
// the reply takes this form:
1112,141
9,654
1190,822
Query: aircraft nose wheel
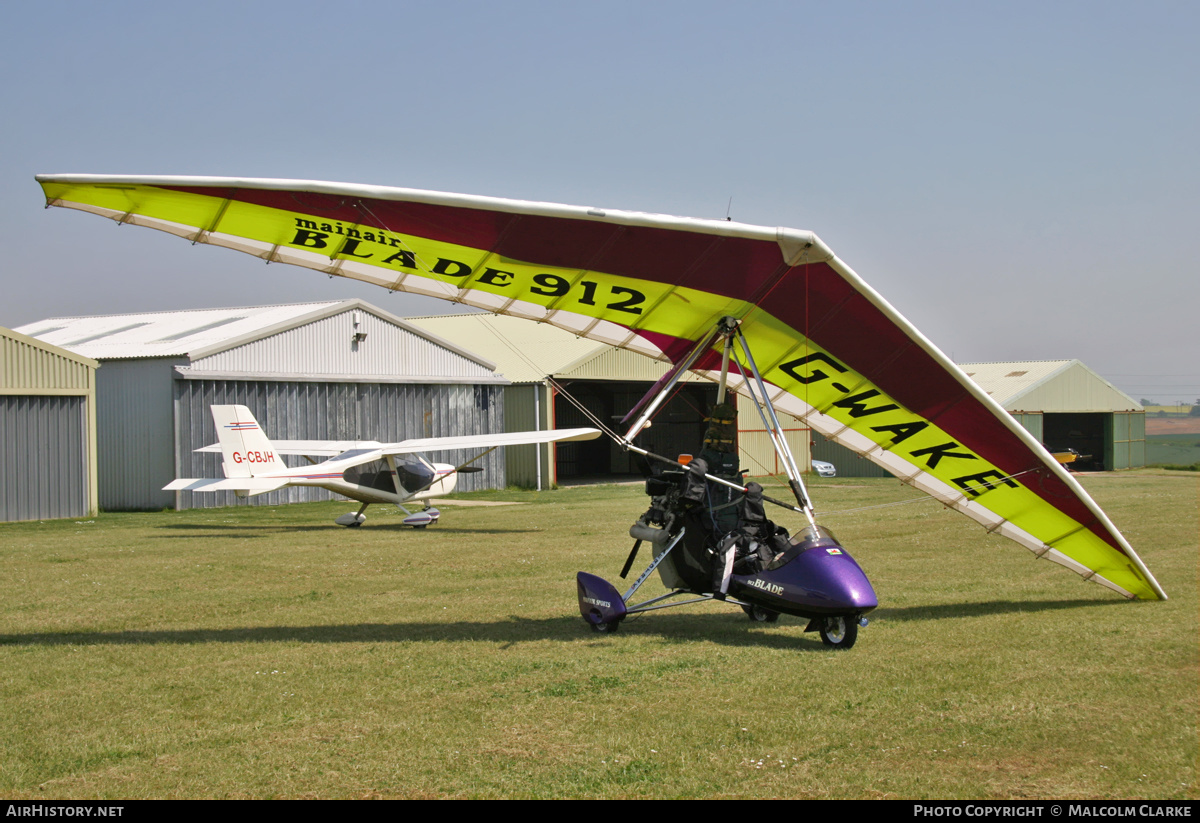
605,628
839,632
758,614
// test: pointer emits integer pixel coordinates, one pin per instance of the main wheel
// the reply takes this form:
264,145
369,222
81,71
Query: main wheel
605,628
839,632
758,614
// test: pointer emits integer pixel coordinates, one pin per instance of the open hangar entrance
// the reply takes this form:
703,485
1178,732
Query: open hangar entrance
1107,440
677,428
1088,433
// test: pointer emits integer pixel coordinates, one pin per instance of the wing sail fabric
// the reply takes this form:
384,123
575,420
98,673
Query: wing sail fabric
836,353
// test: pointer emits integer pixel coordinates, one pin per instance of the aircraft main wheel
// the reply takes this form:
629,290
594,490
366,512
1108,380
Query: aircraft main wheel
839,632
605,628
758,614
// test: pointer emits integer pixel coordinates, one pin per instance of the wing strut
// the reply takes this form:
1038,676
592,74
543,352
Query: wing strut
728,328
775,430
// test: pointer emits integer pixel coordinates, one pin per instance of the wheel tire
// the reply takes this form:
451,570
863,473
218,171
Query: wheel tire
605,628
839,632
758,614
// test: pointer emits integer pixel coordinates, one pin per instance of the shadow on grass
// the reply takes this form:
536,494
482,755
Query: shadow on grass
725,628
288,527
948,611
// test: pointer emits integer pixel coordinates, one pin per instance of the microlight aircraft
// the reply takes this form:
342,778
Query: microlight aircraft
829,349
365,470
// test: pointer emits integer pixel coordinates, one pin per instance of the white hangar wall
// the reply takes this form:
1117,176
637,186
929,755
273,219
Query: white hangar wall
355,342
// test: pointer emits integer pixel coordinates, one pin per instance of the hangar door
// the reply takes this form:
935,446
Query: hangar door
1084,432
1110,440
43,457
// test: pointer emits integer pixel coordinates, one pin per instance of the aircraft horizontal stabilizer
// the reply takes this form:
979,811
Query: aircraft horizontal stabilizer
252,485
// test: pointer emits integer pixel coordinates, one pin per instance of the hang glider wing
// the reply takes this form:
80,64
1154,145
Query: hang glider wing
837,354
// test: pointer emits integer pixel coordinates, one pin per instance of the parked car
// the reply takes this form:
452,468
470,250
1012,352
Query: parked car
824,469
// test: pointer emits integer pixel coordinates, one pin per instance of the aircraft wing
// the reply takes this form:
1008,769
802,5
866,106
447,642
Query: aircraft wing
835,352
333,448
308,448
486,441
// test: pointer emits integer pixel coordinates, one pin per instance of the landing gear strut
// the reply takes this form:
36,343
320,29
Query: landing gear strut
352,520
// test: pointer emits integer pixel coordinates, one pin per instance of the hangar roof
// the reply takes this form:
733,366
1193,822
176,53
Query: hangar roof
197,333
1048,385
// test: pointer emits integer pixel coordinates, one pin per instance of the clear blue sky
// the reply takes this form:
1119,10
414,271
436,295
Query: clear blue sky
1021,180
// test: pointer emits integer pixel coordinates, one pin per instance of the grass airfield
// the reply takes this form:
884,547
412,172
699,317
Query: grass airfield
254,652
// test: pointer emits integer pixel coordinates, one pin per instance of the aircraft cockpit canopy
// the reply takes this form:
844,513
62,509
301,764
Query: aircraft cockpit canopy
413,474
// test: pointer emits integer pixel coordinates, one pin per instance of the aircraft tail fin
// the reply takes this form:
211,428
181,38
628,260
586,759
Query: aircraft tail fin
247,450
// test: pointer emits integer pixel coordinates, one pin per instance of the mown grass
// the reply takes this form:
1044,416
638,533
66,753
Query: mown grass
1174,451
269,653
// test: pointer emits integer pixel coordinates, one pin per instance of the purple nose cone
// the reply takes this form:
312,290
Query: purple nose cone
830,576
822,580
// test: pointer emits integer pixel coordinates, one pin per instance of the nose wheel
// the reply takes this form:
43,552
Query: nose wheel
839,632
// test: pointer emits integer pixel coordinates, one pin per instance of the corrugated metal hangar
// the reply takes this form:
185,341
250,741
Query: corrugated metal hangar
1065,404
341,370
47,430
609,382
1062,403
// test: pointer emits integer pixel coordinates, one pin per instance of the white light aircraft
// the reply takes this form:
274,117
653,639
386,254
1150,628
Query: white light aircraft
366,471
